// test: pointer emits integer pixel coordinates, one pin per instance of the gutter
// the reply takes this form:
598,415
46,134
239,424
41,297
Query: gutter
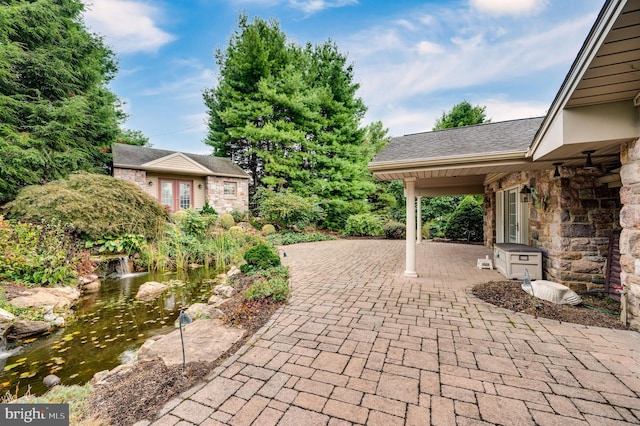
470,160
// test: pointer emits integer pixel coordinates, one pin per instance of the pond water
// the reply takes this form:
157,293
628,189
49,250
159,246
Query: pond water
111,325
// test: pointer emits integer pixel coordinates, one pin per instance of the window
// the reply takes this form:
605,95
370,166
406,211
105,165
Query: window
176,194
230,188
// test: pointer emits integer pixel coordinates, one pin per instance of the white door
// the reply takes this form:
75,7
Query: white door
512,217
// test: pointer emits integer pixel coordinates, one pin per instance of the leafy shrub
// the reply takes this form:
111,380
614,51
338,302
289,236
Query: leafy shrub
38,254
260,256
338,211
268,229
92,205
364,225
289,237
192,222
426,233
128,243
395,230
240,215
466,222
277,289
288,210
208,210
227,221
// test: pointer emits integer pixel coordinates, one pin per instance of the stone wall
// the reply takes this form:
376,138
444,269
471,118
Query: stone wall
225,203
630,236
570,221
139,177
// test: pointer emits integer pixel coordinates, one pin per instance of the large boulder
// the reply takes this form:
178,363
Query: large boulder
204,340
224,291
203,311
23,329
38,297
150,290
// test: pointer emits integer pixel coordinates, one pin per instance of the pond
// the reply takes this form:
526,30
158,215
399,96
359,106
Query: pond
111,325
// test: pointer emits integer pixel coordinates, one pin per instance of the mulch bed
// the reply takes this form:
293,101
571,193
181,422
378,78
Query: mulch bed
594,311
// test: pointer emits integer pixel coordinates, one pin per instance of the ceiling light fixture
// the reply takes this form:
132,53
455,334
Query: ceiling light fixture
588,165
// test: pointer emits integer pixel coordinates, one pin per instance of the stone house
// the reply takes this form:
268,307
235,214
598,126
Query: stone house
567,183
180,180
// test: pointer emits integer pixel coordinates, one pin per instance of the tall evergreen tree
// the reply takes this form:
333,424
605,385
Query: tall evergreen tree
56,113
289,115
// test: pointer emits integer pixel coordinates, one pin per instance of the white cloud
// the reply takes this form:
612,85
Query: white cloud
427,47
128,26
502,110
188,85
314,6
509,7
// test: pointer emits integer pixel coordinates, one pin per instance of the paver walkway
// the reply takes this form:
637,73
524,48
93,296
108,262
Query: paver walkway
359,343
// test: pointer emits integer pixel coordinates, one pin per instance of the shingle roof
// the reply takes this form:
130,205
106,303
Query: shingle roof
505,136
135,156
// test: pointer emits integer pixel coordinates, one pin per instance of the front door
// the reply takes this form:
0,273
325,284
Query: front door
176,194
512,217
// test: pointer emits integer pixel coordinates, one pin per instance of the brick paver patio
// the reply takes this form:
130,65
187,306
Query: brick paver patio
359,343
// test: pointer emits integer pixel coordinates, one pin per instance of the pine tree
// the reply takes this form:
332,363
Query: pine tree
56,113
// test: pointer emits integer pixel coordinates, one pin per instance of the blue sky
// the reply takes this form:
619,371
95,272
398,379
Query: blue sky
412,59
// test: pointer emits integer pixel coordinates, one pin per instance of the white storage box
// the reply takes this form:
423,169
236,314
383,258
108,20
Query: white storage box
511,260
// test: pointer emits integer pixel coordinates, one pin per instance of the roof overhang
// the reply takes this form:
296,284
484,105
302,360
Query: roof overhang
465,174
594,108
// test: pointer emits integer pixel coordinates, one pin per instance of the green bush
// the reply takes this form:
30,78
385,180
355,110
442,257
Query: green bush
288,210
128,243
466,222
289,237
227,221
364,225
208,210
236,230
191,222
92,205
260,256
338,211
240,215
268,229
395,230
36,254
277,289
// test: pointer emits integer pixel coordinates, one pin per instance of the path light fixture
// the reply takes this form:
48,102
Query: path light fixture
588,165
183,319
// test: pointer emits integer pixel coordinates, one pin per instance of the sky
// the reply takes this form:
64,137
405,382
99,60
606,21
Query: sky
413,60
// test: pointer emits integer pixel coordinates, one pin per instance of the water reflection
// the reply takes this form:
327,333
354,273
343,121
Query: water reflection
111,325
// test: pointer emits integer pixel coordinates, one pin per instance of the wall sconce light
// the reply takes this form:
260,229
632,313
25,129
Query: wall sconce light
525,194
150,183
588,165
556,173
199,186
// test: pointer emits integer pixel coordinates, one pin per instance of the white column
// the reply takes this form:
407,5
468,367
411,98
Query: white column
419,220
410,195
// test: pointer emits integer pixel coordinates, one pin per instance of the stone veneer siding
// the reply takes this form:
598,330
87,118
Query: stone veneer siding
630,236
571,223
139,177
225,203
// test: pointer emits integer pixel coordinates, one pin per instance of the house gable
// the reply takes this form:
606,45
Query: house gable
177,163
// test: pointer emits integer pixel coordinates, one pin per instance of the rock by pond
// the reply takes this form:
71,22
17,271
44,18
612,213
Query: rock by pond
58,297
203,311
150,290
23,329
204,340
